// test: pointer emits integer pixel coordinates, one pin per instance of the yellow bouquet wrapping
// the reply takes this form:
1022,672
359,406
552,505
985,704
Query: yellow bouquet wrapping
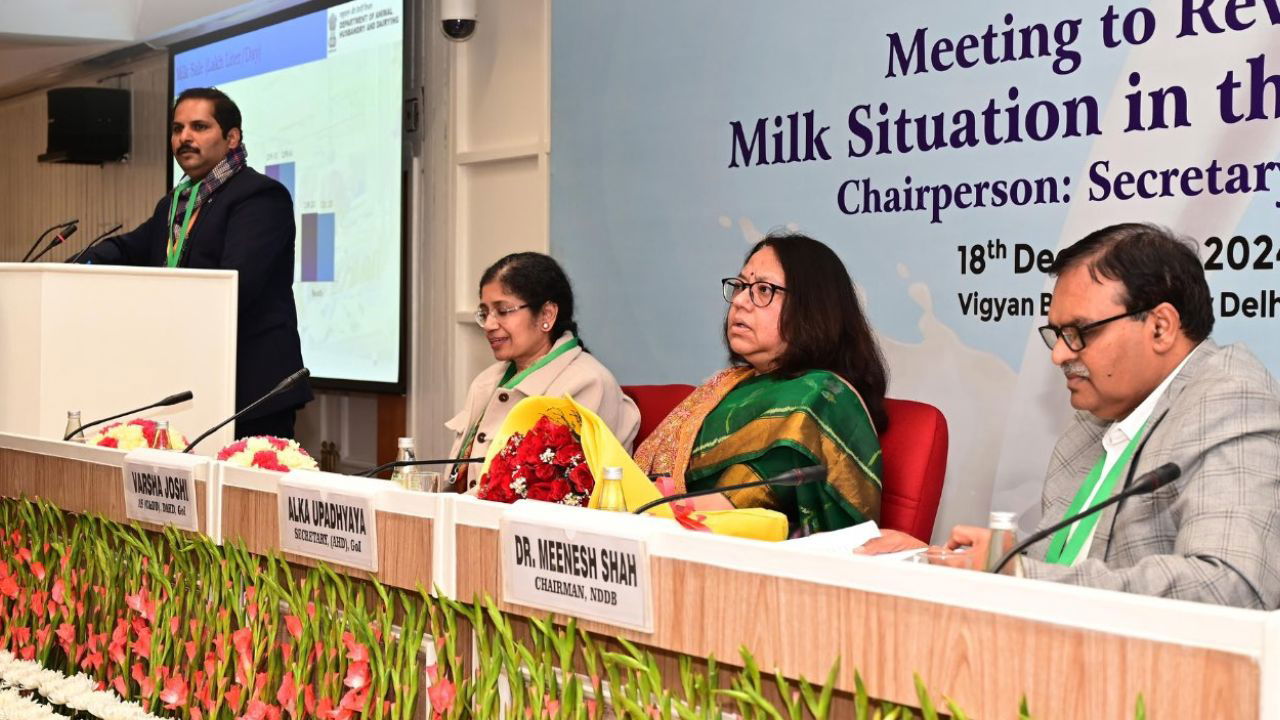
602,449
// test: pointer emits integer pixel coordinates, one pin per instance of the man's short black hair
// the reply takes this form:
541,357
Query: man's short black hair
1153,264
224,108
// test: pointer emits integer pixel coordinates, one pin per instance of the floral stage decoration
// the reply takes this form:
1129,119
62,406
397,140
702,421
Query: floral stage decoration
29,690
544,463
268,453
137,433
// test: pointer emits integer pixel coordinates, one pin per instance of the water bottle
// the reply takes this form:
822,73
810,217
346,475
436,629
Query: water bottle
404,451
73,426
160,440
1002,537
611,497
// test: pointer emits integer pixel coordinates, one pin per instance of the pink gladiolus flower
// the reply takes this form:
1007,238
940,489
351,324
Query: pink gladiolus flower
8,586
257,711
441,695
252,611
28,652
24,554
37,569
357,675
233,697
142,644
121,687
354,699
309,698
294,625
174,623
249,593
66,634
553,706
191,650
287,695
242,640
175,692
311,610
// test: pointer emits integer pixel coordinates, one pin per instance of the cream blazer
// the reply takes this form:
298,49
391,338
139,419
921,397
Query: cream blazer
576,373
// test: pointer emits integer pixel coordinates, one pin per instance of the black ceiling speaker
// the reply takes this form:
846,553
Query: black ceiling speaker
88,125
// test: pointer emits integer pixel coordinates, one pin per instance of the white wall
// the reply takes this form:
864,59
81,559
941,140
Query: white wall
483,192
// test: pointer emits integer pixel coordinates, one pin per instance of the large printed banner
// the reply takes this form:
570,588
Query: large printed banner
945,149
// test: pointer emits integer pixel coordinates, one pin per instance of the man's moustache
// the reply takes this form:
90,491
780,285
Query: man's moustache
1075,369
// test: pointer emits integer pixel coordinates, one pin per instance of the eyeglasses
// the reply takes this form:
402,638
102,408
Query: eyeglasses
762,292
1073,335
482,315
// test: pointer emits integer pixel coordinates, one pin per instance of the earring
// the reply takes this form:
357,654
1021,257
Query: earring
546,326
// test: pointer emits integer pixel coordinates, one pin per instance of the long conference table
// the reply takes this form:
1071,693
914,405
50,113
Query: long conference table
984,641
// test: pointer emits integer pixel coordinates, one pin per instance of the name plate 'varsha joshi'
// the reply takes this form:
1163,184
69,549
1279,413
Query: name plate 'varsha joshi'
575,572
160,488
319,520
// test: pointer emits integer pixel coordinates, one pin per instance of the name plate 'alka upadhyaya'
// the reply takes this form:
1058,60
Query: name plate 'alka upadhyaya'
160,487
328,520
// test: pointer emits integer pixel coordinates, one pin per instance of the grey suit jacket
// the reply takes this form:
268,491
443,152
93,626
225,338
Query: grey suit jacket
1213,535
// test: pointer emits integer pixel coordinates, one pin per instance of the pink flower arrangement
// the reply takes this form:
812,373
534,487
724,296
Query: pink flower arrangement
267,453
137,433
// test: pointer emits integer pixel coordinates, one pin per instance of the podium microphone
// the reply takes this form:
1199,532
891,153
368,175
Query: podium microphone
174,399
40,239
284,384
408,463
790,478
57,240
1150,481
76,258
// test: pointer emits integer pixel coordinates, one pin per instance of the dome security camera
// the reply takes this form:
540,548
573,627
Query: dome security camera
458,18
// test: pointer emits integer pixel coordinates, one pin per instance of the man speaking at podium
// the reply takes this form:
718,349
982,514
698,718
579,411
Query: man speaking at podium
226,216
1129,326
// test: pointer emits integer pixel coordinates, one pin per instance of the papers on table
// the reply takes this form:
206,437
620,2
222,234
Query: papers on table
844,540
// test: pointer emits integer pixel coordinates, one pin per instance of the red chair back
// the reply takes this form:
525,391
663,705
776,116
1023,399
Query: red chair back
915,462
655,402
914,449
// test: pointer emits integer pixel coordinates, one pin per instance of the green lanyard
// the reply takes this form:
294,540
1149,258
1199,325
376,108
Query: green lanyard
179,237
1063,551
509,380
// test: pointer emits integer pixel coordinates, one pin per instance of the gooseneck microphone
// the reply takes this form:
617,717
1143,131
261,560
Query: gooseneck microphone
409,463
283,385
57,240
40,239
790,478
173,399
76,258
1148,482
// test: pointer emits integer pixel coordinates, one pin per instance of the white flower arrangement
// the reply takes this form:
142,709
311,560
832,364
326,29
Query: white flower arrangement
78,692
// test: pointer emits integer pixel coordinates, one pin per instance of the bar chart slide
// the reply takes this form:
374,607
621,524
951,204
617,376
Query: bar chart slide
283,172
317,247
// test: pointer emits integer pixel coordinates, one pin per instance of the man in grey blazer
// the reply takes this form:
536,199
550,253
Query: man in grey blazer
1129,326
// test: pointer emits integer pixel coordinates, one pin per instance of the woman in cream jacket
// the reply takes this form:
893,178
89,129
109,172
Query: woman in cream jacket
526,310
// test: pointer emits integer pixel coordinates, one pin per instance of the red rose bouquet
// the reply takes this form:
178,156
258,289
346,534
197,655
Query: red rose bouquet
545,463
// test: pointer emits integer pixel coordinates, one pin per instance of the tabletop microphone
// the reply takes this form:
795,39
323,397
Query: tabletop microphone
790,478
1148,482
283,385
76,258
40,239
57,240
173,399
409,463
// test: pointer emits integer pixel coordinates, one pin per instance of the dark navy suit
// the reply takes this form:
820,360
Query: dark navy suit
246,225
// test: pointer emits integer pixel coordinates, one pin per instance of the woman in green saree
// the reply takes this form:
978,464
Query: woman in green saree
805,387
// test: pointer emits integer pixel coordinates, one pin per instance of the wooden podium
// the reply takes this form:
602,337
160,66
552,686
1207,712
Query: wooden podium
104,339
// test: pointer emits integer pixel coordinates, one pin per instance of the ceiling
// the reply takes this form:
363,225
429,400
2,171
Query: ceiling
41,39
